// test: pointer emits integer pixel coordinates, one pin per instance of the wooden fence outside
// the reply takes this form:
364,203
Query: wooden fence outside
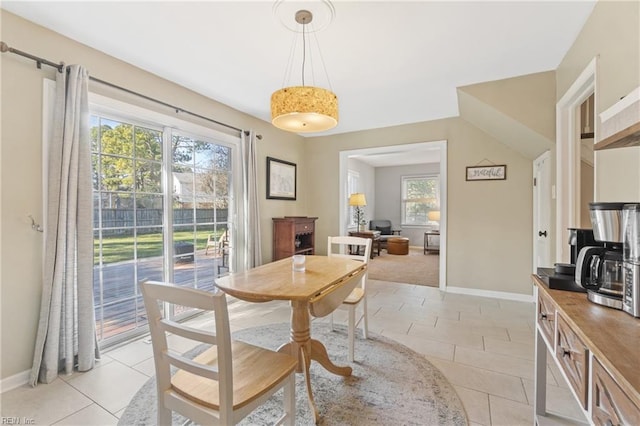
121,221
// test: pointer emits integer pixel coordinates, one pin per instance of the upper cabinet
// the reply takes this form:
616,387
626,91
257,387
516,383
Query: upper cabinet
626,137
621,123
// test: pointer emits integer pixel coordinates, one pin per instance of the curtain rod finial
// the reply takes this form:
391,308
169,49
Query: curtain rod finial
3,47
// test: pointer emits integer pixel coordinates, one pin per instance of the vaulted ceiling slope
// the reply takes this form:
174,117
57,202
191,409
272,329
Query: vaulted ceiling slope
389,62
519,112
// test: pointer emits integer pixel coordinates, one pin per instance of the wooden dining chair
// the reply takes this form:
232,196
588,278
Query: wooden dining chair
343,247
224,383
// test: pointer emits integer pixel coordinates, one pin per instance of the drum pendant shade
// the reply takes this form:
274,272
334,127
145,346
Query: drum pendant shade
304,109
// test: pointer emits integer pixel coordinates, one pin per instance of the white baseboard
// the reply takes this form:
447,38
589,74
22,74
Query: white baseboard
15,381
489,293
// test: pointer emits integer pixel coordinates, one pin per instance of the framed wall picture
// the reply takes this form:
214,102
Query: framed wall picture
281,179
496,172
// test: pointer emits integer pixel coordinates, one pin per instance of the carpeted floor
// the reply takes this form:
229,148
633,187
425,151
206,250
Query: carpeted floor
414,268
390,384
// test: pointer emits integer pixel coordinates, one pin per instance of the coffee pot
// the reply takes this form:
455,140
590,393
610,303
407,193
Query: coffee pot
599,269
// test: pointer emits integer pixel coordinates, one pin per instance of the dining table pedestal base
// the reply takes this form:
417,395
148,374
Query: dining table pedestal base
305,349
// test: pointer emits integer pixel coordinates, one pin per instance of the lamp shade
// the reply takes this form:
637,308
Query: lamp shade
434,215
357,199
303,109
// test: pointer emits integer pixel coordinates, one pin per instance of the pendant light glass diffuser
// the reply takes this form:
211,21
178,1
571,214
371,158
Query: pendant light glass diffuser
302,109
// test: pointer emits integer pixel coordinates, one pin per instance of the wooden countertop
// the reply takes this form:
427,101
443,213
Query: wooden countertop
613,336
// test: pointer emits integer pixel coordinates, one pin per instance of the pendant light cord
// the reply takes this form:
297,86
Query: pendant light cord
305,19
304,48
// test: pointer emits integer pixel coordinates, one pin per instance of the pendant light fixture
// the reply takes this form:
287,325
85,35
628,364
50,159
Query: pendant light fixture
304,109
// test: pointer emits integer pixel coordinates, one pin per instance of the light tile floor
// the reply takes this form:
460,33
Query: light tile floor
484,346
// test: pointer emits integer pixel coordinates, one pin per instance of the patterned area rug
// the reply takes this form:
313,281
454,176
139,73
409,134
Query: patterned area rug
415,268
390,385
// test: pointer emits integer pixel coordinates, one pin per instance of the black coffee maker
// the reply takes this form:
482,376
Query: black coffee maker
562,276
578,238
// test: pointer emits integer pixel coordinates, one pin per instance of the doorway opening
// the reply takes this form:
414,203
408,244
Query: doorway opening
587,189
568,156
422,155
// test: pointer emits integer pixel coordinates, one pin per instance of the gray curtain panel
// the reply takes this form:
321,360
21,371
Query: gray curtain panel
66,330
253,242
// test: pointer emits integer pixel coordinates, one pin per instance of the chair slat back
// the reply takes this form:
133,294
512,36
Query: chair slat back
188,332
183,363
339,246
154,293
180,361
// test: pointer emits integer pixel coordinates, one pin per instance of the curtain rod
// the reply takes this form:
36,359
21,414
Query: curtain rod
39,61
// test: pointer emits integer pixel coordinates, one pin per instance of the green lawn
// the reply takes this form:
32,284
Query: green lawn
121,248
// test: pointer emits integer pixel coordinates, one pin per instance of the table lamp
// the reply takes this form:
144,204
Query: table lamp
434,216
358,201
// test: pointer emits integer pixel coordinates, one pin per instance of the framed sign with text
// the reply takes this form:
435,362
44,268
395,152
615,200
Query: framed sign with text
497,172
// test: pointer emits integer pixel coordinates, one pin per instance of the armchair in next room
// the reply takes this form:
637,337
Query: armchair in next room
386,230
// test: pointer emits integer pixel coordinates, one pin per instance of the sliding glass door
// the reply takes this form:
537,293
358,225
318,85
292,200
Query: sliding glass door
162,203
201,236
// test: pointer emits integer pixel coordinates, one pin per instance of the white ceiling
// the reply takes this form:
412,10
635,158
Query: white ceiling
389,62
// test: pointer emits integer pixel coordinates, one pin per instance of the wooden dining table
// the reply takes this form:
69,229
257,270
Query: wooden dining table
317,291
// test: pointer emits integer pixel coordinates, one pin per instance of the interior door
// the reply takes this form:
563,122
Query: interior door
542,212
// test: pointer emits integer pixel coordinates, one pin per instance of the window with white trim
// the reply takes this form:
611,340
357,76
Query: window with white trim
353,183
420,195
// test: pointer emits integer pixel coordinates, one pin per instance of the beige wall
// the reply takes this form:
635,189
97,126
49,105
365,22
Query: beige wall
489,223
612,33
21,173
506,96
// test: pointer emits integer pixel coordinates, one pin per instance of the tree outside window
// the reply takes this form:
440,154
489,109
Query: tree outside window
420,195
